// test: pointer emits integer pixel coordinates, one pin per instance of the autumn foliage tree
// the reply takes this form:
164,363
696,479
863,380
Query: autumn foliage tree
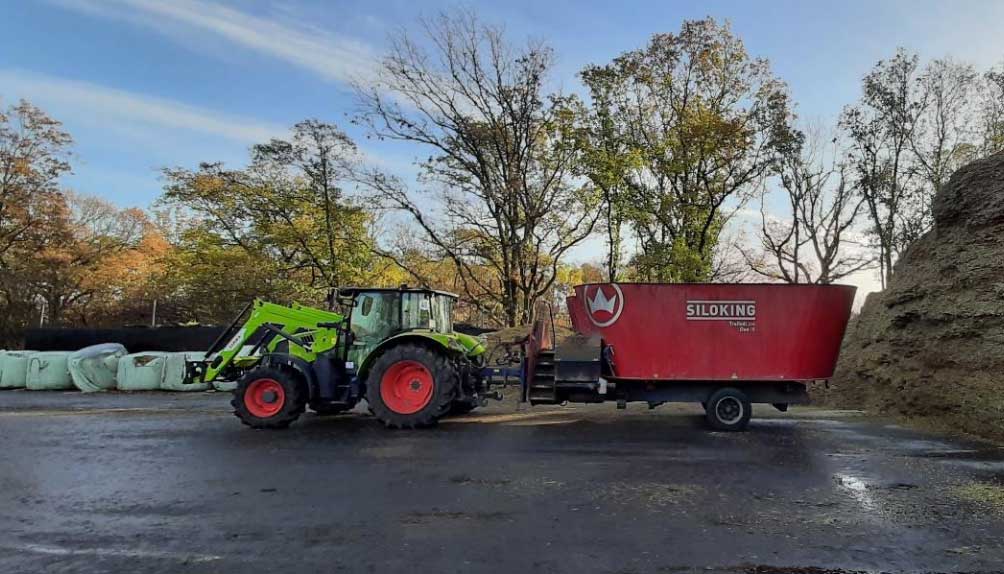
682,127
280,228
65,258
33,155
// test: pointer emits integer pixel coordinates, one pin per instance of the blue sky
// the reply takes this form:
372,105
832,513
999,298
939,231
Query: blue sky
143,84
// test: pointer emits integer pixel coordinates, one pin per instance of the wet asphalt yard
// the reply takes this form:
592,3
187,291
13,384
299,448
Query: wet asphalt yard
174,483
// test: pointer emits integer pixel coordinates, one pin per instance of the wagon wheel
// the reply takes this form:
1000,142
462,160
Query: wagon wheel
728,409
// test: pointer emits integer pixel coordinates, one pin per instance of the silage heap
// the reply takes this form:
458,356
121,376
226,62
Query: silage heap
932,344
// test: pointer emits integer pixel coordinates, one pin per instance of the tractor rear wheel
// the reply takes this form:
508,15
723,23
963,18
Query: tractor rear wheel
410,386
729,409
269,398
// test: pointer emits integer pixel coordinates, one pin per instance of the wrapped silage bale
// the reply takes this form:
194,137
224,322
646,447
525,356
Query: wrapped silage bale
225,386
176,371
94,368
141,371
14,369
49,371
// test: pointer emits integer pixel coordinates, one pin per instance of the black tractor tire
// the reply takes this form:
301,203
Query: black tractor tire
728,409
254,390
438,371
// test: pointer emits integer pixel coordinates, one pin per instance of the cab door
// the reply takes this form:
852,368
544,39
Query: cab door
375,317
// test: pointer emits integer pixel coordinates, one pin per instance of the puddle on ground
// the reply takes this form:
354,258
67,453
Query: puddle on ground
858,488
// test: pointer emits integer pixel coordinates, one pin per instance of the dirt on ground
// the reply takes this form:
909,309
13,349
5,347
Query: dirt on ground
932,344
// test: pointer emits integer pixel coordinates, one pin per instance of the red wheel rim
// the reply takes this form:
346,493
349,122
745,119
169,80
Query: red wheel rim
406,387
264,398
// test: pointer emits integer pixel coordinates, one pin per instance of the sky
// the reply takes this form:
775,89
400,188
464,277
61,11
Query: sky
147,84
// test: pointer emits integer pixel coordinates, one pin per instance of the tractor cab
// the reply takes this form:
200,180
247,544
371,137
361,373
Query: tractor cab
380,314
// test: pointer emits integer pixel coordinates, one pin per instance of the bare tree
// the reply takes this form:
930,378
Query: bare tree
913,127
991,111
728,262
945,136
881,127
814,242
501,196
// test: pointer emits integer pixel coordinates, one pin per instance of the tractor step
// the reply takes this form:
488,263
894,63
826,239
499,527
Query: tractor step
543,387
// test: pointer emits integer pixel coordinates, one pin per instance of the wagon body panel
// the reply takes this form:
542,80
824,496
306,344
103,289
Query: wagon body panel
716,332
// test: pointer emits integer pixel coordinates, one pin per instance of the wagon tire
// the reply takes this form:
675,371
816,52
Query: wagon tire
411,386
269,398
728,409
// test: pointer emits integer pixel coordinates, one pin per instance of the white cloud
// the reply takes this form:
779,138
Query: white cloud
128,111
303,45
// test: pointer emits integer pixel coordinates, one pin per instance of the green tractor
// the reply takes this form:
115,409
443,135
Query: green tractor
396,348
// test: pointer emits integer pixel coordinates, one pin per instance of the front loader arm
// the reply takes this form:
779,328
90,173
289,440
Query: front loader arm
261,327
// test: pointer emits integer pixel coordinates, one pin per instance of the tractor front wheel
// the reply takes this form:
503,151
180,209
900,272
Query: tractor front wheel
410,386
269,398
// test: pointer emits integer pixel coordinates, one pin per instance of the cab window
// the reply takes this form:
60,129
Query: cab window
375,316
443,314
416,311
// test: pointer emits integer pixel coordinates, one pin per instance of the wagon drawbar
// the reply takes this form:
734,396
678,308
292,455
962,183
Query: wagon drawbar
725,346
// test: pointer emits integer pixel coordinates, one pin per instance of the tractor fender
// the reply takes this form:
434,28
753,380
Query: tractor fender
296,363
432,340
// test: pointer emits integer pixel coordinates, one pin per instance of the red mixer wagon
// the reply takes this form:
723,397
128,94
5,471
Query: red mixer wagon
722,345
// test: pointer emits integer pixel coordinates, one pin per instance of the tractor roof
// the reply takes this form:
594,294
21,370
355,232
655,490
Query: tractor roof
401,289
